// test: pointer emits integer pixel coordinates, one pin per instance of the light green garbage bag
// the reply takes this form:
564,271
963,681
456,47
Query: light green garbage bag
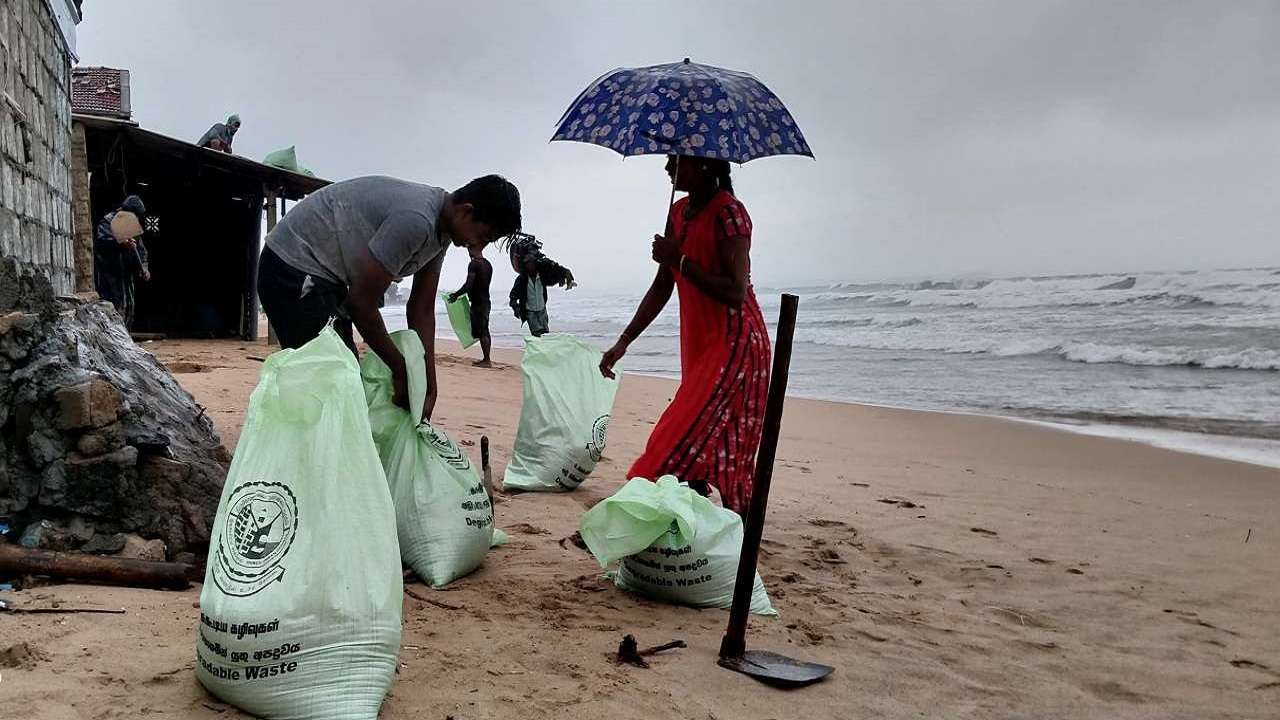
565,415
460,318
444,517
300,610
671,544
286,159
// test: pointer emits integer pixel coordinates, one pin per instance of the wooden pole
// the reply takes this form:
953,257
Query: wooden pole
734,643
271,225
486,472
16,560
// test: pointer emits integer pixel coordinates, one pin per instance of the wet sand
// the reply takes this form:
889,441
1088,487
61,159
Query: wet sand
948,565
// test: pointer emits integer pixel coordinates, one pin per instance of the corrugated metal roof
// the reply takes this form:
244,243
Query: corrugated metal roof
100,91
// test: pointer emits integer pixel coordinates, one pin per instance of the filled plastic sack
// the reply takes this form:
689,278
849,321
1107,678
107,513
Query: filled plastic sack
300,609
565,415
286,159
459,312
444,517
670,544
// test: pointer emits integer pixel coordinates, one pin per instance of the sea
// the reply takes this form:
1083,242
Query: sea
1186,360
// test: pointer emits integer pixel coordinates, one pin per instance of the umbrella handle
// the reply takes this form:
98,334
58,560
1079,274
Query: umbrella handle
666,224
734,643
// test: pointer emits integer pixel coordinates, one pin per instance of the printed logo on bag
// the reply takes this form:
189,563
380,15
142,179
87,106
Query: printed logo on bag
445,448
261,522
599,429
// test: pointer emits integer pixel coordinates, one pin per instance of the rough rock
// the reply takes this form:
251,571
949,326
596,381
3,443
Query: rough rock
104,403
135,548
104,544
102,486
92,425
48,535
101,441
17,321
20,290
22,656
80,530
73,407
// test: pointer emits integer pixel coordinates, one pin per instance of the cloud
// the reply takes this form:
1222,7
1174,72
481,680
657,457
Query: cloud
952,138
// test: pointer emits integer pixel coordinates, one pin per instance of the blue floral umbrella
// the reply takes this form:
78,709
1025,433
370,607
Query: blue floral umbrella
683,109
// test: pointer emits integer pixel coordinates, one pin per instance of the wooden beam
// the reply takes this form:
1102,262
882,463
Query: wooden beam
271,225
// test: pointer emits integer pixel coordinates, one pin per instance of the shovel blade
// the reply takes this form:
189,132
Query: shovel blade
776,669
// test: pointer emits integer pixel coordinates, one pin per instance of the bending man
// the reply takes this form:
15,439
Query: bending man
336,252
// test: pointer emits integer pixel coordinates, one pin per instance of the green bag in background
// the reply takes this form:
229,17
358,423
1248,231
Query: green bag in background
671,544
286,159
300,609
460,318
444,517
564,417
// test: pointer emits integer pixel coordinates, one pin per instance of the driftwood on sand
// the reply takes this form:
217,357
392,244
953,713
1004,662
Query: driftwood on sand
15,560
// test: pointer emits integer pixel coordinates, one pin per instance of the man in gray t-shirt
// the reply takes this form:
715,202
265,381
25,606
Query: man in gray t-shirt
336,252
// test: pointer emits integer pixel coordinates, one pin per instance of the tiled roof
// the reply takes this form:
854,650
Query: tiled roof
100,91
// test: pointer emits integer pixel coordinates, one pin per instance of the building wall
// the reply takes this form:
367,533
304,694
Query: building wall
35,139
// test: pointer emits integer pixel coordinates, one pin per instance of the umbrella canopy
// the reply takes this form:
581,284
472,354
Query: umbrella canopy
683,109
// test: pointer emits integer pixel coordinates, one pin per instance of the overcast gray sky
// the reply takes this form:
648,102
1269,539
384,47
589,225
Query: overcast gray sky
952,138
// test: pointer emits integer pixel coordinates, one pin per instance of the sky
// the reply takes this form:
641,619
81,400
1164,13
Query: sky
952,139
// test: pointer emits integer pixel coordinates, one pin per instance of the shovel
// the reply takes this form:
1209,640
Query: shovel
763,665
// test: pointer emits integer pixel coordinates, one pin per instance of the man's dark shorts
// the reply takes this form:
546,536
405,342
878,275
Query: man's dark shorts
299,305
479,319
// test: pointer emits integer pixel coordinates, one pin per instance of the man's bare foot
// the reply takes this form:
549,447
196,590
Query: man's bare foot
482,363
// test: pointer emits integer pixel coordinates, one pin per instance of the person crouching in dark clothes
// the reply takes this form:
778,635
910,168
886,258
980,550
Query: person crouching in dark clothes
117,261
535,273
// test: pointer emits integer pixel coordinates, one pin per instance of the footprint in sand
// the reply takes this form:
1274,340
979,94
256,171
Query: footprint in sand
1267,686
1111,690
527,529
574,539
22,656
822,523
1251,665
811,634
899,502
983,531
1021,618
1192,618
1040,561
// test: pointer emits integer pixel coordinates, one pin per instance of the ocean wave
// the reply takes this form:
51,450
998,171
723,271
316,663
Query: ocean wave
1209,358
1082,352
960,299
1227,288
862,322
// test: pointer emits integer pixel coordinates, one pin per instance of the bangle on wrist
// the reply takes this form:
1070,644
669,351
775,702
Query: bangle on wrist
681,265
626,336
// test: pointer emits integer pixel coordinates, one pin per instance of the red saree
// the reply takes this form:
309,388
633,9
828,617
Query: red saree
711,430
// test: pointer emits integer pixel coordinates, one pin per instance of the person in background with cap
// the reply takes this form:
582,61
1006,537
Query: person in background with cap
118,260
220,135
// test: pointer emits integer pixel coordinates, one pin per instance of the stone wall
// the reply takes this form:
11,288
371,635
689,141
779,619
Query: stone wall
35,135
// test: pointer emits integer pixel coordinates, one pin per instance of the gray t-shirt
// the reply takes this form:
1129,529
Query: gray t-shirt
396,219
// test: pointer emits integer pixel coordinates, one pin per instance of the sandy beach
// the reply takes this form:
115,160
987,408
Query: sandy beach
947,565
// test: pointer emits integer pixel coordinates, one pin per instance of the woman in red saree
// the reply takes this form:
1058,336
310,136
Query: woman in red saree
709,434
